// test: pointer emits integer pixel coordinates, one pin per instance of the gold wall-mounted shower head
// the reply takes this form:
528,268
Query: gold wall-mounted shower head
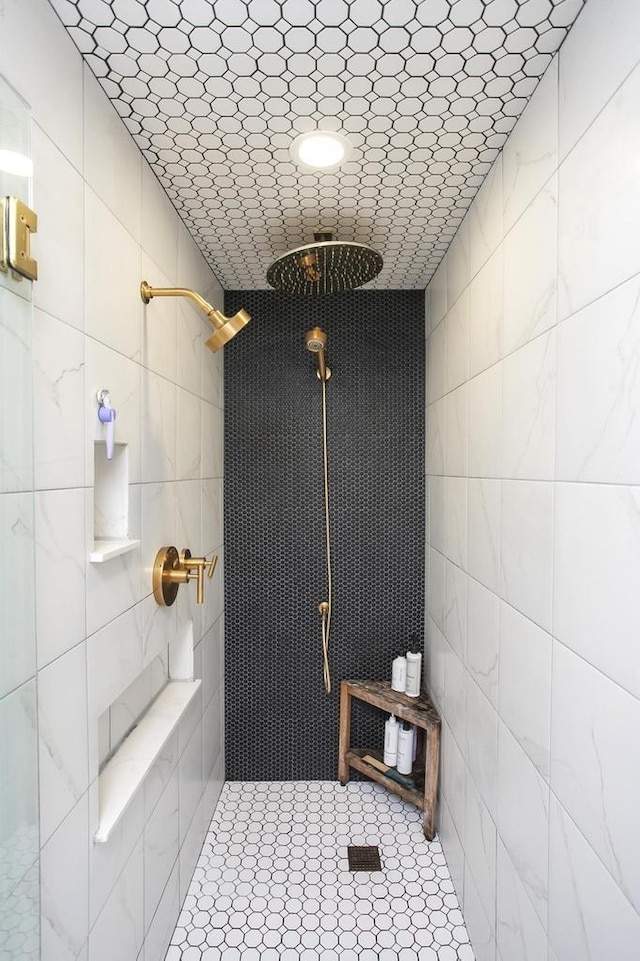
226,327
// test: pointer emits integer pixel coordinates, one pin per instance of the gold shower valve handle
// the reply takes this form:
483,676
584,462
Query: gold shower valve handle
198,566
171,569
212,566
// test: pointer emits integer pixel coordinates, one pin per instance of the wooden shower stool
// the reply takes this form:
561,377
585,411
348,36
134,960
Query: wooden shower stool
416,710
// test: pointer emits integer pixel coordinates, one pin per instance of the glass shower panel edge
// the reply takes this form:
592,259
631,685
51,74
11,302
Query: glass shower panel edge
19,822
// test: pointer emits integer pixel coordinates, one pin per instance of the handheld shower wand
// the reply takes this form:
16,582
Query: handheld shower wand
316,341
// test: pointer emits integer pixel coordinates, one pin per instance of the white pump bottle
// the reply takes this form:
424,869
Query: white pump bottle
391,729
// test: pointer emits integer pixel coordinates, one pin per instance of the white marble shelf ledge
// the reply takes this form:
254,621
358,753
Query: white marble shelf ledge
124,773
105,550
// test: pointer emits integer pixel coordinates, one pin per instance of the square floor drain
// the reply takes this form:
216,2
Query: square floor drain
364,858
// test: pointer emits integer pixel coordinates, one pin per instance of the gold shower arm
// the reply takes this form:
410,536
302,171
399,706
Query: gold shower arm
147,293
226,327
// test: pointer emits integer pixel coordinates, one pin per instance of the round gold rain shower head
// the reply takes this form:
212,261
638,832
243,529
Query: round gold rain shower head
326,266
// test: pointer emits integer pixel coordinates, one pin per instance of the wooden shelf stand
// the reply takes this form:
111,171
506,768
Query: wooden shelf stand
416,710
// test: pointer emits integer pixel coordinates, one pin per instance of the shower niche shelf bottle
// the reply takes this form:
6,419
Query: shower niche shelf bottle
111,503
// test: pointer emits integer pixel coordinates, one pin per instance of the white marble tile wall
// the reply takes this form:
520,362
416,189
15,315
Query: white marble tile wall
533,405
104,225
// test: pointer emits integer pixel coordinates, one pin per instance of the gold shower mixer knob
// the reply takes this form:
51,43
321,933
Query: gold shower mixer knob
171,569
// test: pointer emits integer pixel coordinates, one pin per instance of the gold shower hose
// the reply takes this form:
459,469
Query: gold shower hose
325,609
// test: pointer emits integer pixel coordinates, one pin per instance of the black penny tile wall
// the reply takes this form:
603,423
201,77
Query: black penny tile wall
280,723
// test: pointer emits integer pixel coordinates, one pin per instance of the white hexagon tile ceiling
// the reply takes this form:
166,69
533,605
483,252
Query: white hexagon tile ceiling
214,92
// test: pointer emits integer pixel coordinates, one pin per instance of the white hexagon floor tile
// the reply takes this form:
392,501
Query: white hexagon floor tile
272,882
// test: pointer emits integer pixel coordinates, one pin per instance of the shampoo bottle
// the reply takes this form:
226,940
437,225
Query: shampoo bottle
391,729
405,749
399,674
414,671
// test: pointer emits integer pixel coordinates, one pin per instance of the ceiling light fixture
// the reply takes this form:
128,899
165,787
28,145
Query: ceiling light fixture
320,150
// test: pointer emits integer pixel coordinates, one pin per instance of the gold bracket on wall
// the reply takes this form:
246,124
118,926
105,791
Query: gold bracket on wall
17,223
171,569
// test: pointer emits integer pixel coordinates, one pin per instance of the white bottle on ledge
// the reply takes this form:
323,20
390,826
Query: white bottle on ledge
399,674
391,730
405,749
414,671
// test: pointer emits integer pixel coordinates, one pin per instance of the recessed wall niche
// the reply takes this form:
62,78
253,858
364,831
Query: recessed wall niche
124,714
133,723
111,503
